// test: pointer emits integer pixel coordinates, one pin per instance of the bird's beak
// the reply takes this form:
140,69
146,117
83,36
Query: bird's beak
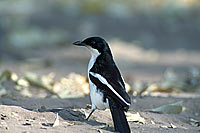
79,43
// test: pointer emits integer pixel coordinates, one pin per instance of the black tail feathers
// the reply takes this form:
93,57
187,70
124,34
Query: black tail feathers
119,118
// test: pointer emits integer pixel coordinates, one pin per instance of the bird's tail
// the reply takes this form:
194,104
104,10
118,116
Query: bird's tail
119,118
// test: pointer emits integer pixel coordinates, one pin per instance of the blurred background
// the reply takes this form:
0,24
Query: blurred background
150,40
155,43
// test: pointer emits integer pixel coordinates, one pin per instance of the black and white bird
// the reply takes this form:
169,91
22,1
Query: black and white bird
107,87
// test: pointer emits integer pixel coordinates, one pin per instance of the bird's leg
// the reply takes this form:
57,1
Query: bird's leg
90,114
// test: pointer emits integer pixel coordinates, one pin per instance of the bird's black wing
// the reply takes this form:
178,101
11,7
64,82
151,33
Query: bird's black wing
106,76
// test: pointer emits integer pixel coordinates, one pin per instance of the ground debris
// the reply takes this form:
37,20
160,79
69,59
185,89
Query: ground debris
135,117
56,122
174,108
164,126
39,81
3,116
3,125
172,125
70,86
69,123
13,114
27,123
195,122
171,83
152,122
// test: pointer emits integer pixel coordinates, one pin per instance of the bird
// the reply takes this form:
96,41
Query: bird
107,86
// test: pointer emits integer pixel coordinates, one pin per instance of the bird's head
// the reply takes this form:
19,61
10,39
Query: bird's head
96,45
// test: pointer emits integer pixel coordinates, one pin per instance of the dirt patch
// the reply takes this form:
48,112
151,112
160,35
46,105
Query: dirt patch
38,115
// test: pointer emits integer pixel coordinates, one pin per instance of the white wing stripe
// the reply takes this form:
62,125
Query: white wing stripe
104,81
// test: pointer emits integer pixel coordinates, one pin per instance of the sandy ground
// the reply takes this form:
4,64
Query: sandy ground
30,115
38,115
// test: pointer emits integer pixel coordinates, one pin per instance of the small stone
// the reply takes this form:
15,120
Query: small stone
27,124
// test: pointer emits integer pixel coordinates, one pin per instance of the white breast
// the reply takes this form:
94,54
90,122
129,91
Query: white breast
93,58
96,96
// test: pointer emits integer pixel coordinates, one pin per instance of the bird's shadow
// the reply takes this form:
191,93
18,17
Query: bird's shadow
68,112
75,114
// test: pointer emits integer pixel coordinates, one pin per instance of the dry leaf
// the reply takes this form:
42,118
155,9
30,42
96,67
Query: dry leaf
14,77
40,81
23,82
69,124
3,91
74,85
172,125
174,108
163,126
157,88
3,125
152,122
194,122
135,117
99,131
27,123
5,75
56,122
25,92
13,114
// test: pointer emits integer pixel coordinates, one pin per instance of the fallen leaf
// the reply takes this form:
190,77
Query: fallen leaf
157,88
39,81
194,122
3,116
99,131
135,117
23,82
27,124
14,77
56,122
26,92
30,120
69,124
5,75
74,85
139,87
174,108
3,125
3,91
13,114
164,126
172,126
152,122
